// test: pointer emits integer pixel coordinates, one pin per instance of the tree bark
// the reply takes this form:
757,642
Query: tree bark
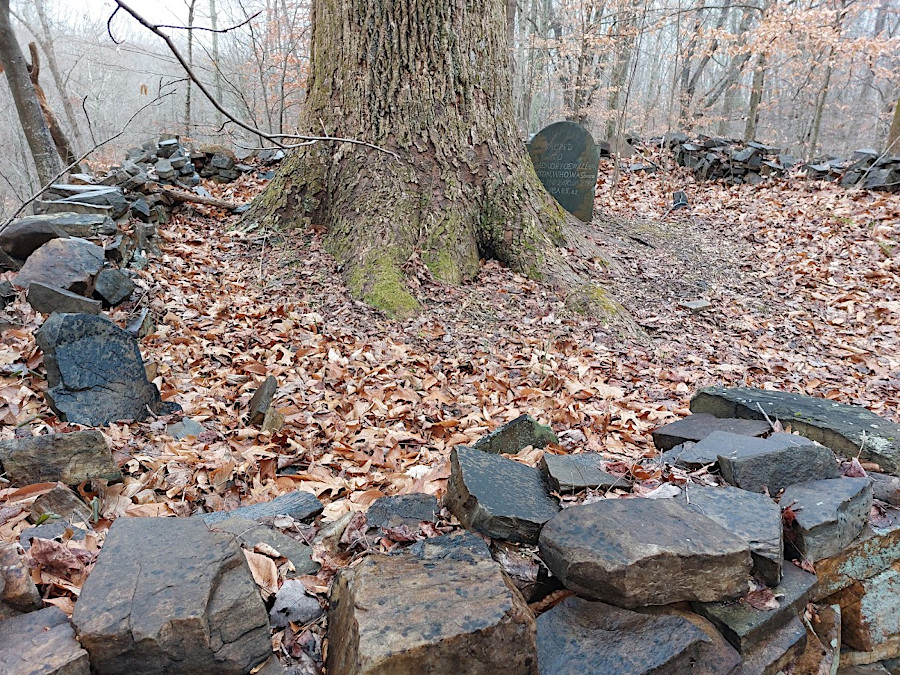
756,93
60,140
46,161
427,80
893,142
190,57
217,73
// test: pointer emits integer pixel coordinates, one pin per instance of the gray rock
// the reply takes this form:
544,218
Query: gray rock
47,299
886,488
829,514
572,473
497,496
635,552
185,428
578,637
193,609
24,236
722,443
164,169
7,262
55,530
18,590
753,517
777,651
112,197
843,428
113,286
294,605
142,325
61,502
74,224
222,162
299,505
695,428
774,470
95,373
746,627
72,206
250,533
70,458
70,264
41,643
261,400
121,249
442,606
870,614
409,510
512,437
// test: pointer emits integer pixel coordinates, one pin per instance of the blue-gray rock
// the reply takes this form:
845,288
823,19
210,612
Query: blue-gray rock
185,428
573,473
695,428
95,374
722,443
54,529
47,299
746,627
409,510
41,643
168,595
294,605
751,516
829,514
299,505
846,429
775,469
249,533
512,437
113,286
636,552
24,236
497,496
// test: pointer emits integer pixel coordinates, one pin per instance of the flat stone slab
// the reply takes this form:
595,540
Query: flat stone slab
746,627
870,612
512,437
695,428
166,592
578,636
573,473
408,510
874,550
70,458
250,533
46,300
753,517
24,236
95,374
725,444
298,504
777,651
566,160
843,428
829,515
636,552
773,470
442,606
62,502
41,643
496,496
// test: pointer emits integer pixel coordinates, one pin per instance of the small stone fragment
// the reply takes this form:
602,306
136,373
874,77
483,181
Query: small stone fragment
41,643
745,627
886,488
773,470
184,429
70,458
19,591
113,286
261,401
62,502
56,530
294,605
695,306
409,510
299,505
635,552
442,606
829,514
751,516
70,264
522,432
573,473
46,300
497,496
695,428
249,533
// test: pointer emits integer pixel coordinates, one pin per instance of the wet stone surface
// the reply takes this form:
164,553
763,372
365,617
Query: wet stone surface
441,606
635,552
695,428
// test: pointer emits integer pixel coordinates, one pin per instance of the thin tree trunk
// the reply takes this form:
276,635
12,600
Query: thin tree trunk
817,116
190,59
60,140
756,93
893,141
46,160
217,74
436,92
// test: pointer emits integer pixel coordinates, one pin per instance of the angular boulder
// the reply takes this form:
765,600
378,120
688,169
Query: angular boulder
870,613
636,552
828,515
41,643
848,430
522,432
95,374
194,609
442,606
113,286
85,226
773,470
47,299
69,264
70,458
299,505
777,650
408,510
24,236
250,533
695,428
753,517
723,443
573,473
62,502
747,627
496,496
578,636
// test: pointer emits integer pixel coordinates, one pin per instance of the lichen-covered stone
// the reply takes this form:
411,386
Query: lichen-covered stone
522,432
870,612
695,428
847,429
496,496
70,458
635,552
442,606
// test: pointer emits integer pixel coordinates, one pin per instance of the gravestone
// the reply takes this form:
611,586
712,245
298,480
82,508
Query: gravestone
566,160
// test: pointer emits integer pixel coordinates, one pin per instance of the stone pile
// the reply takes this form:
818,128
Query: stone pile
736,162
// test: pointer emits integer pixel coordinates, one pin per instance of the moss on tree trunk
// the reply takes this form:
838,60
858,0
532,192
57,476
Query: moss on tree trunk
427,80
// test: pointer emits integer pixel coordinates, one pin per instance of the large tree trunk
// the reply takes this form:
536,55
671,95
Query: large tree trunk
60,140
37,134
427,80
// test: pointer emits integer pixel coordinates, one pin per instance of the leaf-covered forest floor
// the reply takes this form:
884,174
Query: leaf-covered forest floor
803,281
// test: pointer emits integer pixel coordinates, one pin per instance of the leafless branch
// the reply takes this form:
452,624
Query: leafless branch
212,30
